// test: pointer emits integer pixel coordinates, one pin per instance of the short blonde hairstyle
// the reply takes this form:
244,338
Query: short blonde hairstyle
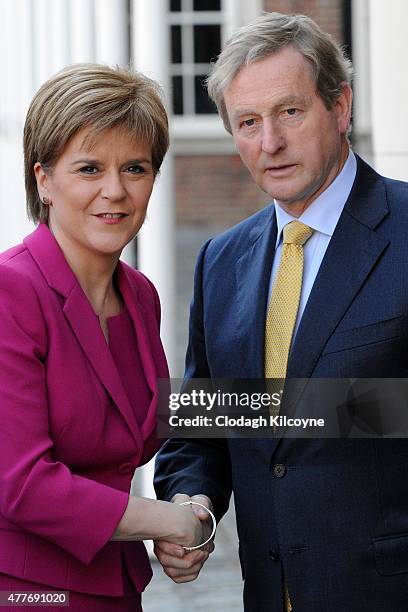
267,35
94,96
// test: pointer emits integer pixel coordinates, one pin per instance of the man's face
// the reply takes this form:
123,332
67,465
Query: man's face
291,144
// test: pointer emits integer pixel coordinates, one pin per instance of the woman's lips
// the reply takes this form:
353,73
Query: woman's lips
111,218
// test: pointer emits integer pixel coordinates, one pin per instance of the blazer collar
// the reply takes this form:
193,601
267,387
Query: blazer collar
85,324
49,257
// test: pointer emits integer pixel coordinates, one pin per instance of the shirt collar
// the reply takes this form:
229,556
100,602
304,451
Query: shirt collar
323,214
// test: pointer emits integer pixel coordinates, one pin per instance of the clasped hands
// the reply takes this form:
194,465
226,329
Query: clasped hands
181,565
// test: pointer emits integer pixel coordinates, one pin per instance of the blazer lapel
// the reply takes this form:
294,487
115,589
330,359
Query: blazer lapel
253,271
148,353
86,327
81,318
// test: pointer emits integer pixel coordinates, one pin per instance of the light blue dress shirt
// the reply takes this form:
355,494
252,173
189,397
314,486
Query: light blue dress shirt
322,216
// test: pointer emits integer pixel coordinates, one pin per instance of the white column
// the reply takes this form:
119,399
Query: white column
111,31
362,122
59,36
15,92
389,86
82,27
112,47
42,56
238,13
156,244
156,241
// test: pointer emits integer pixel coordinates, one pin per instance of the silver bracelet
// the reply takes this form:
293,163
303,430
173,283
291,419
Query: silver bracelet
214,522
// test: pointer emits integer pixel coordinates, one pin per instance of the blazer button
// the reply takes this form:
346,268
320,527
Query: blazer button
125,468
273,555
279,470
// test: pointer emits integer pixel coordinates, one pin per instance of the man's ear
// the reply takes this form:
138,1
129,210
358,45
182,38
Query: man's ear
42,180
342,107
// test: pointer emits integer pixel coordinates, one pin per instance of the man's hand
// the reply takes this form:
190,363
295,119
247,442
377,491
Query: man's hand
179,564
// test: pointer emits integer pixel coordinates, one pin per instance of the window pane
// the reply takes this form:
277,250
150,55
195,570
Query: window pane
207,5
176,44
207,43
175,5
203,104
177,85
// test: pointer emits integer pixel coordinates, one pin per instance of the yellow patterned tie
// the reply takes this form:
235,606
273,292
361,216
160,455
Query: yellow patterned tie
283,309
285,298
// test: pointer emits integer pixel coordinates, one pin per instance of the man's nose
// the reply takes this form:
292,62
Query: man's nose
112,187
272,136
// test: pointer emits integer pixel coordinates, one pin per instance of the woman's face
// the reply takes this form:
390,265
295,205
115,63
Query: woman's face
98,192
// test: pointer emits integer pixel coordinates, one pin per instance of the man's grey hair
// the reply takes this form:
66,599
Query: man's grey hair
268,34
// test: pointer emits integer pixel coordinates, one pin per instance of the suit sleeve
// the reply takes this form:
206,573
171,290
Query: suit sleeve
196,466
37,493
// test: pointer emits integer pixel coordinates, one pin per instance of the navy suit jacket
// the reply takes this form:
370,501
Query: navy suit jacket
336,522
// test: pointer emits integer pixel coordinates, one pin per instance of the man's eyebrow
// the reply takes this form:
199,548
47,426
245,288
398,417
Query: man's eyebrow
285,101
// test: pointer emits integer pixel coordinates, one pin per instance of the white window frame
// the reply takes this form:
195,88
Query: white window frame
201,134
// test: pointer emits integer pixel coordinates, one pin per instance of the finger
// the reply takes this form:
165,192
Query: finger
175,573
179,498
181,579
183,564
209,548
169,548
200,512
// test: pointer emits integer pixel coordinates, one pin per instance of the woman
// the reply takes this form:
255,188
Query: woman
80,350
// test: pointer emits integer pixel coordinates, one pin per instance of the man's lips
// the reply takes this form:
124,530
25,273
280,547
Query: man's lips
280,170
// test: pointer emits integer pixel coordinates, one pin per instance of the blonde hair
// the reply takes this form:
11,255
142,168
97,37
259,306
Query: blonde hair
94,96
267,35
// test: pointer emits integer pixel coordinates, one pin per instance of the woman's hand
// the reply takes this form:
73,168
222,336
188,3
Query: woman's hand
150,519
189,530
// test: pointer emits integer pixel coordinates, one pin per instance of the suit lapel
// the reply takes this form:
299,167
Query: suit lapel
352,253
253,270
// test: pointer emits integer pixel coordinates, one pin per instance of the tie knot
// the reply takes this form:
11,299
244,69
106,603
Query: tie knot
296,232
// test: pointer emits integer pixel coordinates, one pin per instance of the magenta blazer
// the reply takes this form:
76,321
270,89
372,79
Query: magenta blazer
69,439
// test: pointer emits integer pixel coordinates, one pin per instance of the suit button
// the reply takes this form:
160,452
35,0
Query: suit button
125,468
273,555
279,470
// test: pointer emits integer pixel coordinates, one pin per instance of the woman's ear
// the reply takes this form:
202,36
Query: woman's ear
42,179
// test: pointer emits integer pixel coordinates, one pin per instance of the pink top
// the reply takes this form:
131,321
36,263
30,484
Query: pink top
125,352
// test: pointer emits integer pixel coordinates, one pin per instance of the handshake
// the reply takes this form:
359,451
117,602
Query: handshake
180,563
182,531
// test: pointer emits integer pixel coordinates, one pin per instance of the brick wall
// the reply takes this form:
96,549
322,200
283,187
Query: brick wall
327,13
215,190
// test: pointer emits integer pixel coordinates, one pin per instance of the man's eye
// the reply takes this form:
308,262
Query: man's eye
249,122
291,111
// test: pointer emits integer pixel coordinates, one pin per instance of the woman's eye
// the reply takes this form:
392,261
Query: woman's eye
88,170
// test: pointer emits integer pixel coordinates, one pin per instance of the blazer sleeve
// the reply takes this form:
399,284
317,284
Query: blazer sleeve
196,466
37,493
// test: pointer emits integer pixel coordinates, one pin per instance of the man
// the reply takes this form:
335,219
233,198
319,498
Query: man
323,524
